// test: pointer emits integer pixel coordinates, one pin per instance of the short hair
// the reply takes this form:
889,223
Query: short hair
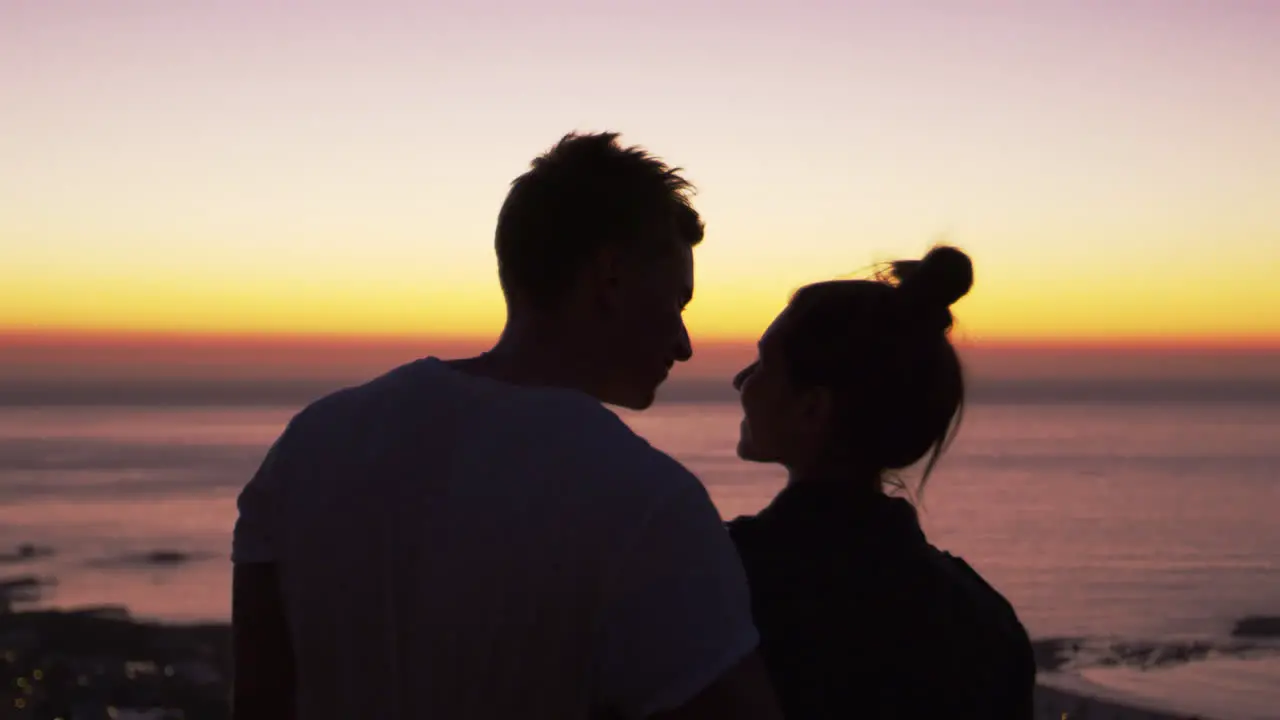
584,194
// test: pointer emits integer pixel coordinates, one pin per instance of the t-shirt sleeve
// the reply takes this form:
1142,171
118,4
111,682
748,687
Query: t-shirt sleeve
677,614
257,524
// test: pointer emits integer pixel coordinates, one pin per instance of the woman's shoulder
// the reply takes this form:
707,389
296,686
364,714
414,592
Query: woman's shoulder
960,568
999,612
749,534
740,524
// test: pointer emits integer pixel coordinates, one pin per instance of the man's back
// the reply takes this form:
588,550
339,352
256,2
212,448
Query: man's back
449,546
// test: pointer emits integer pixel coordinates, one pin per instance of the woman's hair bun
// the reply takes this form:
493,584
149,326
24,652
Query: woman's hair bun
932,284
944,276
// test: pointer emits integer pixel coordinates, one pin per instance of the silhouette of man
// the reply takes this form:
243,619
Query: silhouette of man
482,538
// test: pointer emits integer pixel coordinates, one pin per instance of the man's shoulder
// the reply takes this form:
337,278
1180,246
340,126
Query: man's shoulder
583,438
623,451
568,429
401,383
352,410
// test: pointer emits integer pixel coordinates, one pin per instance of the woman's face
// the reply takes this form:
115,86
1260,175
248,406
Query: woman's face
778,423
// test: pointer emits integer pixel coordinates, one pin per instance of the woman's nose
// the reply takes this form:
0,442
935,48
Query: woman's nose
742,375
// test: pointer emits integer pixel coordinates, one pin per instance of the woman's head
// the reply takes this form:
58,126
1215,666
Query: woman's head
859,374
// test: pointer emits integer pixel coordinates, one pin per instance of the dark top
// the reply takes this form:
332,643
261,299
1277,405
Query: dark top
860,617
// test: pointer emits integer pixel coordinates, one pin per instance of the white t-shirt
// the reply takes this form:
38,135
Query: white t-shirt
454,547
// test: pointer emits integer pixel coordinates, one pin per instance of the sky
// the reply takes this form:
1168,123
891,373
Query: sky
249,168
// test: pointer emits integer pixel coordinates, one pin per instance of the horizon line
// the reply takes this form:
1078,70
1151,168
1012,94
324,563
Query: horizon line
257,338
277,392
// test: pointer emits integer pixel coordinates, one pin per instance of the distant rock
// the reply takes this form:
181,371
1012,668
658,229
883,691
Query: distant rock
152,559
1257,626
24,553
1077,653
22,589
23,583
166,557
1052,653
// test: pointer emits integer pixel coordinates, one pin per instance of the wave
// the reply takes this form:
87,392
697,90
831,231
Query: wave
1073,654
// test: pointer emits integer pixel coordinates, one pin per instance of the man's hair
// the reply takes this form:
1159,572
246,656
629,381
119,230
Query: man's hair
584,194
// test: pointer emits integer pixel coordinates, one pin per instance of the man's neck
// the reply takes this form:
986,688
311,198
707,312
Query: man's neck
534,357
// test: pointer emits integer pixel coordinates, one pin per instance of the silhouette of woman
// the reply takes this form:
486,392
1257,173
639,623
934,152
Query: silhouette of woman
859,615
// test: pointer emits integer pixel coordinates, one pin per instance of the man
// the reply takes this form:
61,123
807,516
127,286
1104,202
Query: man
481,538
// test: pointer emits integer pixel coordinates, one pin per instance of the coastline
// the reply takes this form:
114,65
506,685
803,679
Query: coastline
55,660
1055,703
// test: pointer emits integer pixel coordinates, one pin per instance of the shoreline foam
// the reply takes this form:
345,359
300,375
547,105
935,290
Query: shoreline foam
1055,703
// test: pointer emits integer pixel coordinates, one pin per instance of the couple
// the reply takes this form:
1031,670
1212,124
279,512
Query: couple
482,538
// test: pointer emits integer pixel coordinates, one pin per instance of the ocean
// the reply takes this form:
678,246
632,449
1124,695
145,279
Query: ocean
1133,535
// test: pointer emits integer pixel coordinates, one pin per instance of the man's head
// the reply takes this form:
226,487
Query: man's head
594,246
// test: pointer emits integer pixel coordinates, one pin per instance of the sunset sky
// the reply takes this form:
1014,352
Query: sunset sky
249,167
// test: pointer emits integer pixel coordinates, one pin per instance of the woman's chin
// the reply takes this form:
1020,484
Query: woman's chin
747,449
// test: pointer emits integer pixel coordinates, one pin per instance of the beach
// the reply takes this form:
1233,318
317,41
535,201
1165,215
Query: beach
97,661
1056,704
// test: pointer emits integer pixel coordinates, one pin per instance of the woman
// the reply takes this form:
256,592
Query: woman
859,615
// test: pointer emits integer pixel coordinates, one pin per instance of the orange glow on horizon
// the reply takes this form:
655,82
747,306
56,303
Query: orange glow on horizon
1012,301
74,357
11,338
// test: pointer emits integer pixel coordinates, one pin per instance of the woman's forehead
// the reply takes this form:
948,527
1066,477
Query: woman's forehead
773,334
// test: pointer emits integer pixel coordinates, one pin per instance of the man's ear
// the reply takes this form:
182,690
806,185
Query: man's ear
604,278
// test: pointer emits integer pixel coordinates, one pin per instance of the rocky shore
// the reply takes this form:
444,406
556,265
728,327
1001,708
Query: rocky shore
101,664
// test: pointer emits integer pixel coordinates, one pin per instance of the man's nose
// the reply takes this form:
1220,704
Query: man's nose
684,346
741,377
